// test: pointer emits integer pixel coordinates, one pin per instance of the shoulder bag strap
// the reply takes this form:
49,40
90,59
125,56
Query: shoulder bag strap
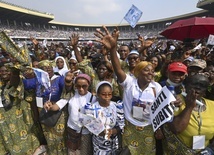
91,98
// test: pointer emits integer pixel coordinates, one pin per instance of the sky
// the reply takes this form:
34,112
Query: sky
108,11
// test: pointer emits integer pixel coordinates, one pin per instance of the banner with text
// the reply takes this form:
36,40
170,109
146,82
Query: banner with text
161,110
133,16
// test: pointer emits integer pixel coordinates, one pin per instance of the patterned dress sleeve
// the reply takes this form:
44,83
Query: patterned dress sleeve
120,114
86,67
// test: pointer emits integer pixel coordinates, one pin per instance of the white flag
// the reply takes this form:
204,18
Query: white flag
210,40
133,16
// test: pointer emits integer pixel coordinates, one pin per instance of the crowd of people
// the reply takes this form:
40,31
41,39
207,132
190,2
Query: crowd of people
102,92
26,31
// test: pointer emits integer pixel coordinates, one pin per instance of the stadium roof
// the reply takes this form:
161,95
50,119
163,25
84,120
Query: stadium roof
188,15
12,12
206,4
18,13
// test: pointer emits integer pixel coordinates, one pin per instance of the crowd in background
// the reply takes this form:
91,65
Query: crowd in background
31,31
111,77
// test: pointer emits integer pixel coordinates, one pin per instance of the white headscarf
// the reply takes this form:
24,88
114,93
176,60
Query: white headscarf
64,69
101,83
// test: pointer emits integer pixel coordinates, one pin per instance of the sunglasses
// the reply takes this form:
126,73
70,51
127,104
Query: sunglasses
81,86
135,58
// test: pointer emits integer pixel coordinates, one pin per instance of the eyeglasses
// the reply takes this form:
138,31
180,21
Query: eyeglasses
72,63
81,86
135,58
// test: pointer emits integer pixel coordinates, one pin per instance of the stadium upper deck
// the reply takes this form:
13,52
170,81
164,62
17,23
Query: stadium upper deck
42,23
206,4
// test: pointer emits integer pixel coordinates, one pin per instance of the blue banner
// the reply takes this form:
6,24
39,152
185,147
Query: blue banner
133,16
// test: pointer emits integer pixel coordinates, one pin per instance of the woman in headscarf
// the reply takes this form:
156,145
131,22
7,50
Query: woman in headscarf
72,62
107,141
79,138
55,136
16,118
61,66
139,93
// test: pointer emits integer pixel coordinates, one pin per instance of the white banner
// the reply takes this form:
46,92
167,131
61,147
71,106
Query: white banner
133,16
161,110
94,125
210,40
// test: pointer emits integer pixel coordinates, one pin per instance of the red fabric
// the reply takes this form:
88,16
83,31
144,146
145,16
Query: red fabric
191,28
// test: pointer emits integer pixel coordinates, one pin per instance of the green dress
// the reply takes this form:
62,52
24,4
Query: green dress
16,134
56,136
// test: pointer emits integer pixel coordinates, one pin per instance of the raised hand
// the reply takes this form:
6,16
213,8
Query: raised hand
107,39
104,50
142,40
191,97
74,39
34,41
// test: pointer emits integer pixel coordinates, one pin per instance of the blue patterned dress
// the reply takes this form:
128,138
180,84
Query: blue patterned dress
110,117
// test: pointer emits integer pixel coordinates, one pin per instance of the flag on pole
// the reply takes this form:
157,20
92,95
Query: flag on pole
133,16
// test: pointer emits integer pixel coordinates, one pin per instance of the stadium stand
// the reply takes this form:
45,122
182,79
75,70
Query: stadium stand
22,23
206,4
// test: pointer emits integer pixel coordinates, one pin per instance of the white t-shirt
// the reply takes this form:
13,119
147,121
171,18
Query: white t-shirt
75,105
132,93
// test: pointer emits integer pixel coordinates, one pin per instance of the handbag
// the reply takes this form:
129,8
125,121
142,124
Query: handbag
73,139
49,118
122,150
173,145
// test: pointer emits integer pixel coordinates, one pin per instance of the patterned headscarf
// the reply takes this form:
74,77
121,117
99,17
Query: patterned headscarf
141,65
84,76
44,63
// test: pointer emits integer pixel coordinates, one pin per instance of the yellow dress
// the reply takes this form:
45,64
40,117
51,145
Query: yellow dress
184,140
